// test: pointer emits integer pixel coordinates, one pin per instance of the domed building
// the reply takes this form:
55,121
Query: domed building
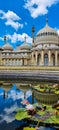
20,57
43,52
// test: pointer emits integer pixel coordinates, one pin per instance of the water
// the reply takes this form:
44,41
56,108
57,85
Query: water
10,100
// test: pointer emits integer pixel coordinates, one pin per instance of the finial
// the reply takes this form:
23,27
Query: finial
25,39
5,38
47,20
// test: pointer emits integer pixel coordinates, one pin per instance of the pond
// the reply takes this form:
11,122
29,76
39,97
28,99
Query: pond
11,95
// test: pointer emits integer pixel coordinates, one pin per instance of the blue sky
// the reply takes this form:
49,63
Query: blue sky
18,16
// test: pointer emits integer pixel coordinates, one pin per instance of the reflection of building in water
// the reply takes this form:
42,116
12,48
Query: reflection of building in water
6,87
43,52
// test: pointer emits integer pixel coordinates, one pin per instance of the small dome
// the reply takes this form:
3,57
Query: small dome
7,46
46,35
25,46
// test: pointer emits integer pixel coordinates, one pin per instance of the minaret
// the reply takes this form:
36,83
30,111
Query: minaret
33,30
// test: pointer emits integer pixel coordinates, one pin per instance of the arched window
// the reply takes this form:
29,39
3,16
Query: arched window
46,59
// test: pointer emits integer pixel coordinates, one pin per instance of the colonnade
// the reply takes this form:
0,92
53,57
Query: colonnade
52,58
14,62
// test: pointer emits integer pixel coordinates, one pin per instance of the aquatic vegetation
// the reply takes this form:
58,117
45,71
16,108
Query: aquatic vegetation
48,115
22,115
49,88
29,128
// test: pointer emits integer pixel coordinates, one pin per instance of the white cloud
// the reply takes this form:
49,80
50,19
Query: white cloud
11,15
11,18
16,95
38,7
28,93
9,116
1,38
12,95
20,95
11,109
15,25
19,37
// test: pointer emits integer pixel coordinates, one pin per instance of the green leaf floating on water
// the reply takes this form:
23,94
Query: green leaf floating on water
28,128
22,115
21,109
55,119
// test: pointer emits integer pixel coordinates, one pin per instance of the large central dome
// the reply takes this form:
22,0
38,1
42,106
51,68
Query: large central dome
46,35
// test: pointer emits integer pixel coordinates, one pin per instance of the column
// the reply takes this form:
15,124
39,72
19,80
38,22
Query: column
11,62
20,62
36,57
49,58
4,62
32,58
0,61
56,60
25,61
42,58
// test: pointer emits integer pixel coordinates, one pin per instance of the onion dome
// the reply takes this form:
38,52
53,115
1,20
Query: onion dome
46,35
25,46
7,46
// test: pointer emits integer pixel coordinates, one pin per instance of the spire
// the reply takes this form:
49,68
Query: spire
47,20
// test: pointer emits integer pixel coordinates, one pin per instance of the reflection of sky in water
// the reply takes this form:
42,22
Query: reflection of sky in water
9,105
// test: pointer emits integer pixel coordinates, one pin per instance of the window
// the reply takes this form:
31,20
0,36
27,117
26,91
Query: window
46,59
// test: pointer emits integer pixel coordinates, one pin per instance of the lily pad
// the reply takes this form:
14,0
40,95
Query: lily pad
21,109
28,128
22,115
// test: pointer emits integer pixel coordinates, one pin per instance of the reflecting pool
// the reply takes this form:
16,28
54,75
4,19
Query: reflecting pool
11,96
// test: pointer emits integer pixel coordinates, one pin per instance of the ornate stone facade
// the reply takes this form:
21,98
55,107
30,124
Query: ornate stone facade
43,52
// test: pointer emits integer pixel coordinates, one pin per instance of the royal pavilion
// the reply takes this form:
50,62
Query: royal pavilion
43,52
